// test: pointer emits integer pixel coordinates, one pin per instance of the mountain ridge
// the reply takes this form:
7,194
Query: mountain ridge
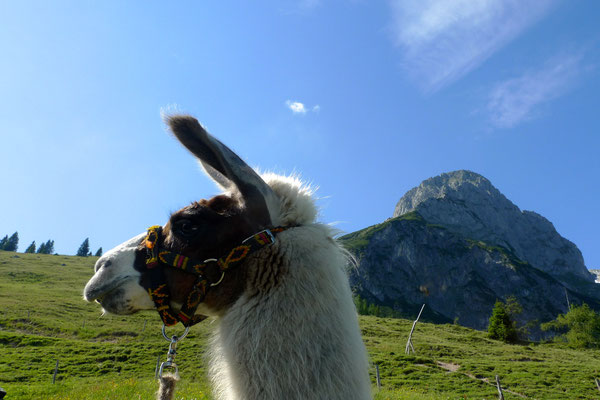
468,203
460,271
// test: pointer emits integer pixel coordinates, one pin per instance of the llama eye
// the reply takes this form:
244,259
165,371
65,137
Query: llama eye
186,228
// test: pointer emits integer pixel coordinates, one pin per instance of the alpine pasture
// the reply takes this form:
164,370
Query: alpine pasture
43,318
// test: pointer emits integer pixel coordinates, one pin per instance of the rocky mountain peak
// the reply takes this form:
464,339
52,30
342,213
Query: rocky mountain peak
461,185
467,203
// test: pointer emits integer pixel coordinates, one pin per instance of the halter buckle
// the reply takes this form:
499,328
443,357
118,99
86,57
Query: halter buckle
267,232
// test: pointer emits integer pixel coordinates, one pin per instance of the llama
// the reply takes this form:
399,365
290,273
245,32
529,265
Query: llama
287,326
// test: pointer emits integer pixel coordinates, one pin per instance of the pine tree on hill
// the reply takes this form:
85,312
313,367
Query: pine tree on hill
501,327
84,249
42,248
99,252
3,242
50,247
46,248
13,242
31,248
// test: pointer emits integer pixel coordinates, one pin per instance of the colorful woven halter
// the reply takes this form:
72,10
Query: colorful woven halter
157,287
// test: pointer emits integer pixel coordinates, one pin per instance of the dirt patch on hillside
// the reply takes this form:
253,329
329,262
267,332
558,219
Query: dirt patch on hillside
448,366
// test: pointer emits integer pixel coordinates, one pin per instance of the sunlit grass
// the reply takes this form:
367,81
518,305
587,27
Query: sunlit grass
43,318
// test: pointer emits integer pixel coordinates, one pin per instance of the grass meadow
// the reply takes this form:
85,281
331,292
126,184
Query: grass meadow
43,318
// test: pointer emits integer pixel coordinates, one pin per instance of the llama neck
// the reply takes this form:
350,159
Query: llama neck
294,334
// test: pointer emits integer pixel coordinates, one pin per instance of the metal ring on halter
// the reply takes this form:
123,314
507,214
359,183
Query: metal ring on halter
222,272
174,338
220,279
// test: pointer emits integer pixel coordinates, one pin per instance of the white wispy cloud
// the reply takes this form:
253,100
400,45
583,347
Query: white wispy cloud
300,108
443,40
296,107
517,99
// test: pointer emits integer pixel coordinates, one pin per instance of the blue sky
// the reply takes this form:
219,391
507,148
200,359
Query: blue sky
363,99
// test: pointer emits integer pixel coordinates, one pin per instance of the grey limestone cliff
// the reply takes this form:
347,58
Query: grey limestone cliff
468,204
457,244
407,261
596,272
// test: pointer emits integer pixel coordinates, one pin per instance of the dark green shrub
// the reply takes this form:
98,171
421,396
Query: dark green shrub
580,327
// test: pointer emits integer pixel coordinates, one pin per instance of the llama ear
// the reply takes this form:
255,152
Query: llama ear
226,168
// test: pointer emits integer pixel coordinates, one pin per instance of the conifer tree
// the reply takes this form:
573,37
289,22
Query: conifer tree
31,248
13,242
501,327
50,246
46,248
42,248
99,252
84,249
3,242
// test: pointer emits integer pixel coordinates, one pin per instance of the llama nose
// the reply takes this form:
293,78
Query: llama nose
102,264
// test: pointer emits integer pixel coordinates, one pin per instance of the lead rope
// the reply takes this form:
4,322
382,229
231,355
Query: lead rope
168,380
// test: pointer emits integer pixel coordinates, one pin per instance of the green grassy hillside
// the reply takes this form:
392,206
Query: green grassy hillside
43,318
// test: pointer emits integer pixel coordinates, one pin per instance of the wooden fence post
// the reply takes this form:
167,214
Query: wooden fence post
409,345
500,394
156,369
378,378
55,372
144,328
598,383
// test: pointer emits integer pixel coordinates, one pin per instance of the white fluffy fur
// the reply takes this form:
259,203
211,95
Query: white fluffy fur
294,332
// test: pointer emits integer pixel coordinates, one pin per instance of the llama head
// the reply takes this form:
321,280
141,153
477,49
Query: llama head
203,230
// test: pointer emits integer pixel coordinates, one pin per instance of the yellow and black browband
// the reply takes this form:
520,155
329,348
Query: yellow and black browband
157,284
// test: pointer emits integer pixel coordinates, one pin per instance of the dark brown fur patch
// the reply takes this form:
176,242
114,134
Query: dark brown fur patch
222,224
